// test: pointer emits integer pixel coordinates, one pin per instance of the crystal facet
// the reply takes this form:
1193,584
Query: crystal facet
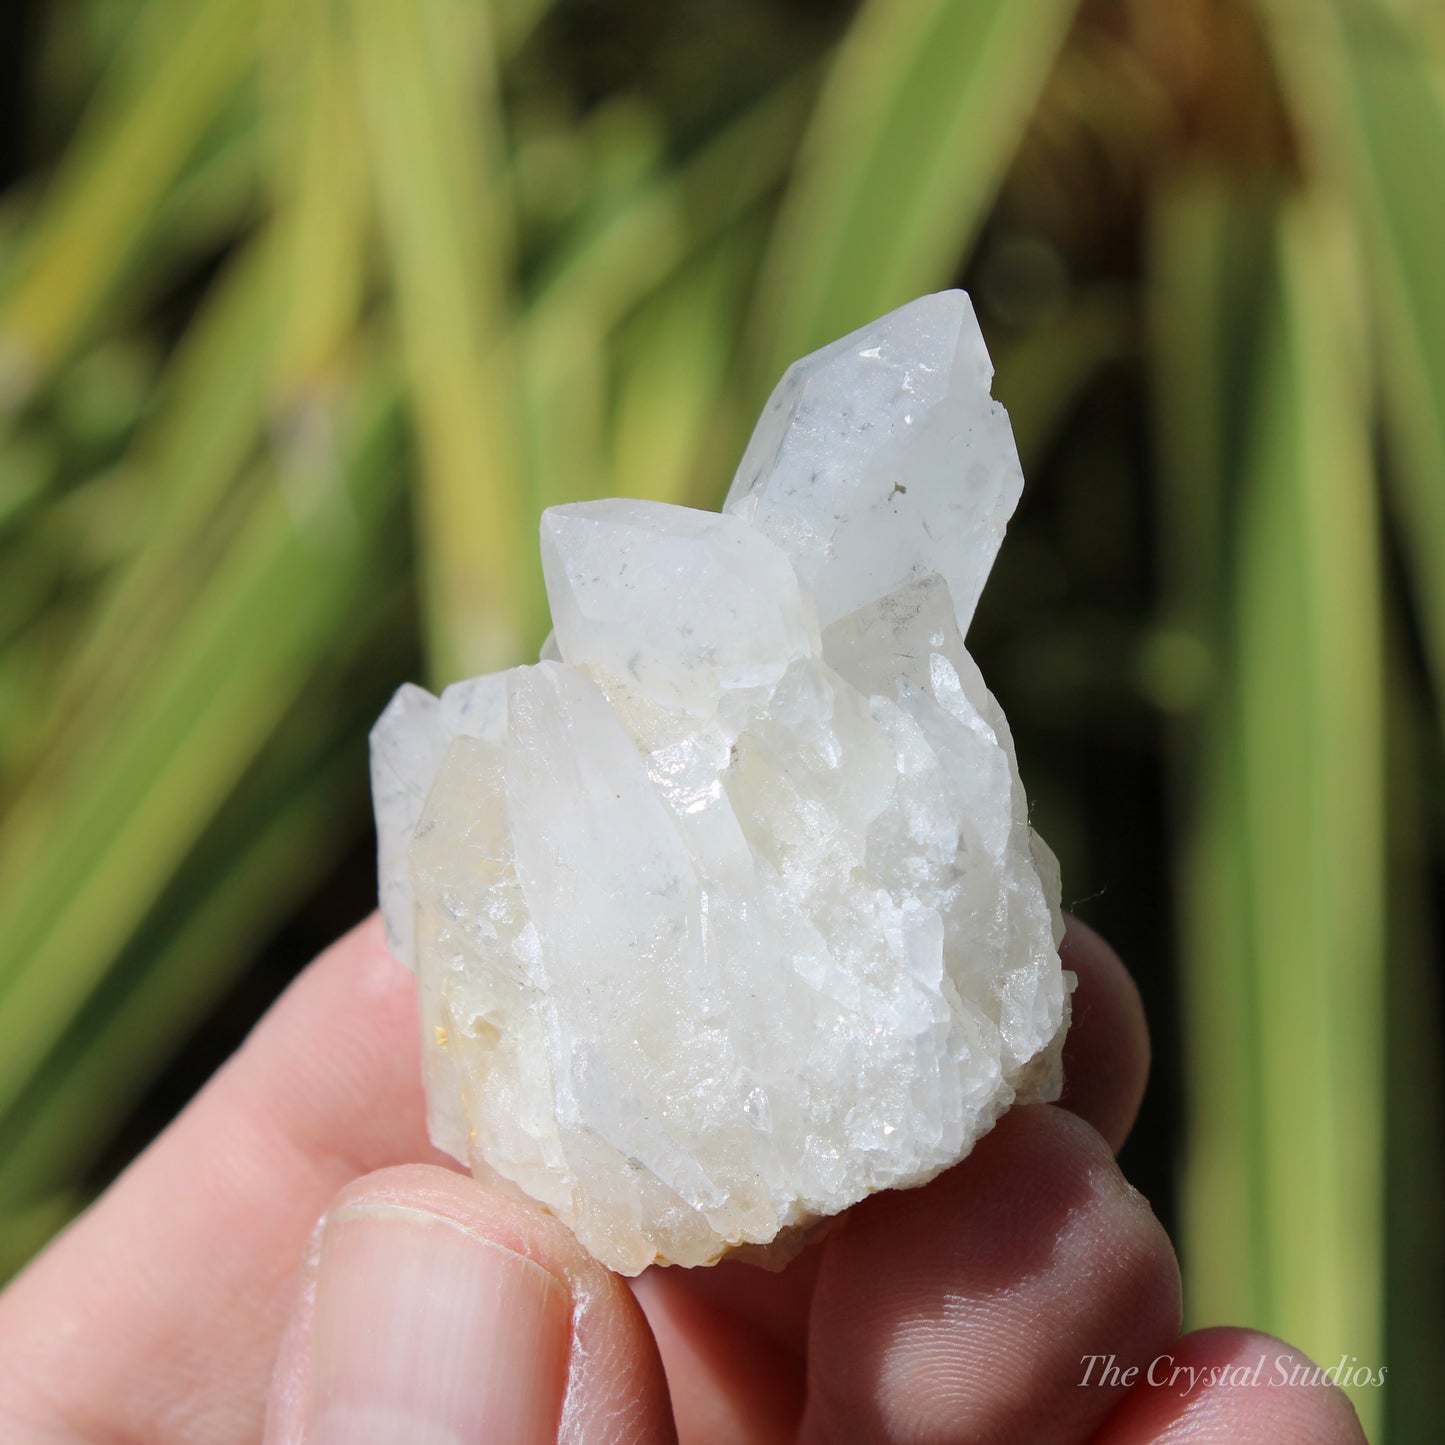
728,912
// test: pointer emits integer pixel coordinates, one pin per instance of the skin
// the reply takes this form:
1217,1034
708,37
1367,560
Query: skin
175,1306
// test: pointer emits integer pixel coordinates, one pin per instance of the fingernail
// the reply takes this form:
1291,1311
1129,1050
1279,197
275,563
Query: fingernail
427,1333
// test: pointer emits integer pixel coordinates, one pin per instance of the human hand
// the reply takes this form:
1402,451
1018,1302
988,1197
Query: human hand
430,1308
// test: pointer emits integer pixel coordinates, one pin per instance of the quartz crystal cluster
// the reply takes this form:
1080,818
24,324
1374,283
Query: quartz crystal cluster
728,913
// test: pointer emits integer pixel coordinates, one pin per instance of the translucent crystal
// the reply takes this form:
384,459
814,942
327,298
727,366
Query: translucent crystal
882,458
723,919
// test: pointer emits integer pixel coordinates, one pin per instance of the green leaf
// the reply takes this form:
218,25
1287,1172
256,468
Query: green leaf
626,254
24,1231
1209,246
298,809
429,98
180,471
1368,81
1310,673
1283,897
180,66
131,1025
918,119
319,177
238,657
1415,1181
669,382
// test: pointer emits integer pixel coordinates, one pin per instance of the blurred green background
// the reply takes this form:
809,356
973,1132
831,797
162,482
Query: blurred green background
308,307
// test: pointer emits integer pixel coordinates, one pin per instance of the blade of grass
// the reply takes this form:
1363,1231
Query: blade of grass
516,20
564,393
24,665
1415,1172
669,383
603,271
1368,81
436,139
293,815
209,205
180,66
321,188
273,331
1207,247
624,255
131,1025
1311,753
28,463
241,654
1269,526
183,464
25,1231
917,121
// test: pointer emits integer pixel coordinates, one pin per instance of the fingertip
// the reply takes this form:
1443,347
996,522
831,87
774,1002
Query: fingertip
1106,1052
926,1319
1230,1383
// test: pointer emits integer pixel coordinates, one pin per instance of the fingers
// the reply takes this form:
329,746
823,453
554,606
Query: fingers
434,1309
1106,1053
184,1269
1232,1384
733,1337
186,1265
961,1311
732,1341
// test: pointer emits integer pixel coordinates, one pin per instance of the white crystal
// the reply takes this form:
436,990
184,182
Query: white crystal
722,922
683,604
883,458
408,743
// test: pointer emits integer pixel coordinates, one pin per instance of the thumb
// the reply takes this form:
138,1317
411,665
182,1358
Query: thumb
435,1310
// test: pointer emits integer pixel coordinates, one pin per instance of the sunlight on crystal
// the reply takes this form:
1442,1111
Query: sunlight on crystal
728,912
